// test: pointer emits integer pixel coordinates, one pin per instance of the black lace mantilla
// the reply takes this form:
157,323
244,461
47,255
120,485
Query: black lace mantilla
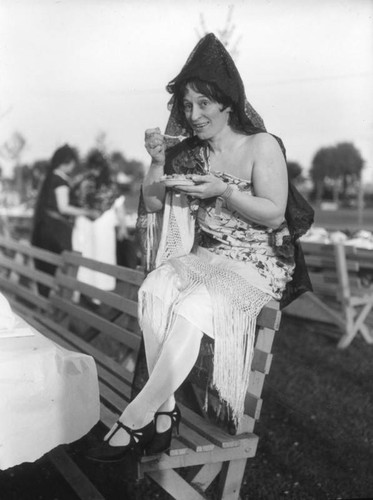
211,62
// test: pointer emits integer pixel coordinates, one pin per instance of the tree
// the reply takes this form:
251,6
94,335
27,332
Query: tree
133,169
337,166
349,163
322,167
294,170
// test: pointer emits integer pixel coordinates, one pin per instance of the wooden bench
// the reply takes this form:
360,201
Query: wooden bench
342,280
83,318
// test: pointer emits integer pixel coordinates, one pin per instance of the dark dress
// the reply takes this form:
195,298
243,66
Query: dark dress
52,230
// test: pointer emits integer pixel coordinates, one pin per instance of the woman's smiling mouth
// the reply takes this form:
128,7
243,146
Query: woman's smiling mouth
200,126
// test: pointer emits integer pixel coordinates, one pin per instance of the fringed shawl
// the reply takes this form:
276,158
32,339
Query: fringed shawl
235,302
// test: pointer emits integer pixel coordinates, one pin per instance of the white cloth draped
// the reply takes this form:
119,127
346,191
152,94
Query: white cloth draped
96,240
7,318
49,395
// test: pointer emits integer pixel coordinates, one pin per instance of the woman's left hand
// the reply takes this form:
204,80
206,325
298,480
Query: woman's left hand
205,186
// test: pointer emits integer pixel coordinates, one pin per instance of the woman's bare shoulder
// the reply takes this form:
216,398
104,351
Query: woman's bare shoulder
263,144
261,139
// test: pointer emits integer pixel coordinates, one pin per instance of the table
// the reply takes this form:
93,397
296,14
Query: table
49,395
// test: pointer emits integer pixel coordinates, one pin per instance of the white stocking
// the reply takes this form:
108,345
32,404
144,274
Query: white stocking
177,358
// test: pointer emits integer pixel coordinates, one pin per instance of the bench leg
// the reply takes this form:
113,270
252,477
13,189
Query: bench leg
175,485
73,475
366,333
231,479
206,475
355,323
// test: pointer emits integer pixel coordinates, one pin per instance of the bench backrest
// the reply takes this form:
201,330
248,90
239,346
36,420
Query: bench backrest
104,323
107,319
338,270
116,319
20,277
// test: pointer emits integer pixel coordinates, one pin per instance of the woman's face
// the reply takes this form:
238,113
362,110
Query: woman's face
68,167
207,118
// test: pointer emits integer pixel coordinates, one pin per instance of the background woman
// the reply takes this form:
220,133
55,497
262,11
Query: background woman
217,243
54,214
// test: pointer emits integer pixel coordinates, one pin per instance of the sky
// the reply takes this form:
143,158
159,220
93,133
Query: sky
73,69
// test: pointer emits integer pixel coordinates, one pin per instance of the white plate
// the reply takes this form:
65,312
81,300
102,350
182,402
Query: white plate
177,182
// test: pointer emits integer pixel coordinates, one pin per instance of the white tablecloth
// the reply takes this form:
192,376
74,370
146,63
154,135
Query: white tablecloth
48,395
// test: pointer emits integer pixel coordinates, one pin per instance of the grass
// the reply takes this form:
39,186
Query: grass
316,437
315,430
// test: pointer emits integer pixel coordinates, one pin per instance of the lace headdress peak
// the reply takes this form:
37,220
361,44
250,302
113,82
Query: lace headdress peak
211,62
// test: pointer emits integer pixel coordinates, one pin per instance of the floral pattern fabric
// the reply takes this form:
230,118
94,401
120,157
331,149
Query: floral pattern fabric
229,234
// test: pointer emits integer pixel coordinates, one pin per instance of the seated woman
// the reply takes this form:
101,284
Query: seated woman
218,246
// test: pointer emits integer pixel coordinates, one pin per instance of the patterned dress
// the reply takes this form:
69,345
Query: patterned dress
217,270
228,234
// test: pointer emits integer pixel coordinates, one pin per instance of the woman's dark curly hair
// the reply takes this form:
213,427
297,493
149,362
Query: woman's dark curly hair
212,92
63,155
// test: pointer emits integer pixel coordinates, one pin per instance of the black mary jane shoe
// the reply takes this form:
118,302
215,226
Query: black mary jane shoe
139,438
161,441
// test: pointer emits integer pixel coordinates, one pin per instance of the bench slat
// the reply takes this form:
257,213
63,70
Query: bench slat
177,448
123,336
256,383
109,298
27,271
79,345
119,272
246,448
261,361
210,431
270,316
31,251
37,300
253,406
194,440
112,399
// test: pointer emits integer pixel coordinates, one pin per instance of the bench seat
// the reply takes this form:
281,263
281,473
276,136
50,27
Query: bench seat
103,324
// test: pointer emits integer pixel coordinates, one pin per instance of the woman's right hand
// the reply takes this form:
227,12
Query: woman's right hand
155,145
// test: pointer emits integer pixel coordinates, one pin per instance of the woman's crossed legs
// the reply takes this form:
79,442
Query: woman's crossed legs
169,364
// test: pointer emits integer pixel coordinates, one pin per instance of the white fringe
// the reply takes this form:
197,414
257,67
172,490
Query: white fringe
236,305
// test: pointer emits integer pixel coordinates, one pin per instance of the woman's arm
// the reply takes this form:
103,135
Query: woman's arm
270,184
64,207
154,190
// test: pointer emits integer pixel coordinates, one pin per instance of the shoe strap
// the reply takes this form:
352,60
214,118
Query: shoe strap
134,434
174,414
